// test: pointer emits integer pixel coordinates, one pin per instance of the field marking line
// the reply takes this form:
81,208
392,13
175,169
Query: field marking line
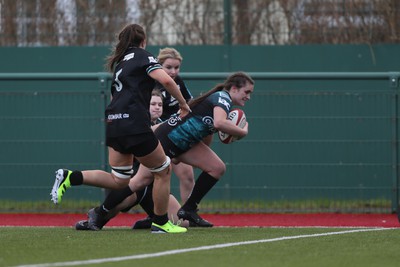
180,251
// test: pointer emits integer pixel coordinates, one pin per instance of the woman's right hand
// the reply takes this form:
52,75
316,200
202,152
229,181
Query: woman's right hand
184,110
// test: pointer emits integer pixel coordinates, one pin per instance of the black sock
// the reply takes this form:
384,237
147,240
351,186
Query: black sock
147,203
203,184
115,197
160,219
76,178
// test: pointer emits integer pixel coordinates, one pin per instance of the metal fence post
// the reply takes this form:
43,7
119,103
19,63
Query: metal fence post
394,84
102,91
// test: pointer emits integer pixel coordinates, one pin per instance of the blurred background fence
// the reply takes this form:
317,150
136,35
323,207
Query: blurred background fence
317,141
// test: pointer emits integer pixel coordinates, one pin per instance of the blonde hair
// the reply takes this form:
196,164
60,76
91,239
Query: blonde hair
168,52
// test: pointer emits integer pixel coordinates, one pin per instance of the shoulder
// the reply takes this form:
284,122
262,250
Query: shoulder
145,56
143,52
149,61
222,99
178,79
184,90
221,94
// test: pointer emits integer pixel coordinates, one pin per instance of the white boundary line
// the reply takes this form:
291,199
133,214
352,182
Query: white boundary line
180,251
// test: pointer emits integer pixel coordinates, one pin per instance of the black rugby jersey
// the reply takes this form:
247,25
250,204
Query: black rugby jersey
170,104
190,130
128,112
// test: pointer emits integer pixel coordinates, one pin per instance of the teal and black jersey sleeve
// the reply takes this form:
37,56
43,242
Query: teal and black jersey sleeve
221,99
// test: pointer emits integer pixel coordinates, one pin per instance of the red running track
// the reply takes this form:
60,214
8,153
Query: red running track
230,220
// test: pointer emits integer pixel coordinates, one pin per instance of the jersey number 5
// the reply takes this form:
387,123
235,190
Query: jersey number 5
118,84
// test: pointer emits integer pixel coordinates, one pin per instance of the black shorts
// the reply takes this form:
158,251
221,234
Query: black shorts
170,149
138,145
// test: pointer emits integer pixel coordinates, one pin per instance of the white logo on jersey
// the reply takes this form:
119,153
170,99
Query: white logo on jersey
128,56
173,120
209,121
152,60
117,116
173,101
224,102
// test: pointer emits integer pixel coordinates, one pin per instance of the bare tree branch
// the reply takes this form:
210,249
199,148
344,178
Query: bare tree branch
187,22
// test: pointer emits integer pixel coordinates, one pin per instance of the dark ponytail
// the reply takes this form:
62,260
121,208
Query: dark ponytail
131,35
237,79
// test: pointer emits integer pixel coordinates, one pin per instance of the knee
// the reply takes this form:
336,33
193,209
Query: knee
121,175
163,168
163,174
222,170
218,171
120,182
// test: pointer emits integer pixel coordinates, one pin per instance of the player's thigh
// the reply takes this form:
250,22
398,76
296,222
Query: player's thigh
204,158
118,159
154,159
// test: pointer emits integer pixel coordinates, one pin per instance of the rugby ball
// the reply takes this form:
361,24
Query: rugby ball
238,117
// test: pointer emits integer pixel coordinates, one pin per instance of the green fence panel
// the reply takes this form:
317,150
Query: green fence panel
215,58
49,122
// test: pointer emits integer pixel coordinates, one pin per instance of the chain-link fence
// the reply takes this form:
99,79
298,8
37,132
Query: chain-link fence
200,22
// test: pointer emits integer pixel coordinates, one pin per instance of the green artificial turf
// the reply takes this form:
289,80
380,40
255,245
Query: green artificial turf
302,248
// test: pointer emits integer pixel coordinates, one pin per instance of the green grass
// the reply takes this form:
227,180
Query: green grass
33,245
67,206
314,205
